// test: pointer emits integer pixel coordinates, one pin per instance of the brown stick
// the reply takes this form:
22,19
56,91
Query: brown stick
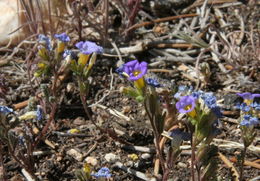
247,163
170,18
229,164
20,105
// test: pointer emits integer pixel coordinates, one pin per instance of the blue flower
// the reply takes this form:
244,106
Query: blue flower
244,107
152,82
5,109
209,99
103,172
120,70
39,113
89,47
197,94
69,53
256,106
249,120
46,41
62,37
182,91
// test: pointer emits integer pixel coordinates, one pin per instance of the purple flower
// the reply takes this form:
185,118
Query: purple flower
62,37
135,70
5,109
186,104
89,47
103,172
248,95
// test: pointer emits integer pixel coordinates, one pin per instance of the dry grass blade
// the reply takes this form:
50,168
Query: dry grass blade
230,165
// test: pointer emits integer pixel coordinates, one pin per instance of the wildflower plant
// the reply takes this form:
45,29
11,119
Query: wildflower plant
84,174
18,143
82,68
161,112
51,69
202,112
249,118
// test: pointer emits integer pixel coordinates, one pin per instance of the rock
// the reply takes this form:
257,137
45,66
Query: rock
111,157
129,163
126,109
13,16
75,154
137,164
79,121
146,156
91,160
182,165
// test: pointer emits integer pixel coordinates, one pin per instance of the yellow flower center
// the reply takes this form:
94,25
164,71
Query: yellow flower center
136,73
191,113
248,101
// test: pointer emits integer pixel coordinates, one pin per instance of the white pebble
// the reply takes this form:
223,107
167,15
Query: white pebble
145,156
91,160
111,157
75,154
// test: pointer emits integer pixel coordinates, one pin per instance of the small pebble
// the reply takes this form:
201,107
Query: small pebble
111,157
91,160
126,109
79,121
146,156
182,165
75,154
137,164
129,164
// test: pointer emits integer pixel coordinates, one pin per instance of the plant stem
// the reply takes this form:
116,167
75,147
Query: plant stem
243,155
192,159
83,101
47,125
3,177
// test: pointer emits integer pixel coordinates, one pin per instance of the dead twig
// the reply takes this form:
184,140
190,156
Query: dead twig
229,164
171,18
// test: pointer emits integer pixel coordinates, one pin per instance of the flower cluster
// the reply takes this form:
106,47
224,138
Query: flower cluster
89,47
186,104
152,82
104,172
62,37
249,109
45,41
249,120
